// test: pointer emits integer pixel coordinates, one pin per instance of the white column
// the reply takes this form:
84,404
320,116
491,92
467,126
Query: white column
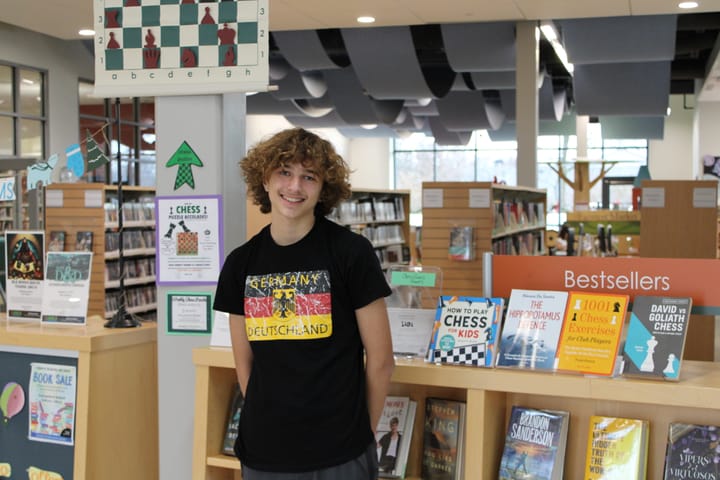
214,126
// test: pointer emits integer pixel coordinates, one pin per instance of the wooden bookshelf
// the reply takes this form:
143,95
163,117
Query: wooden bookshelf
506,219
625,227
490,394
84,207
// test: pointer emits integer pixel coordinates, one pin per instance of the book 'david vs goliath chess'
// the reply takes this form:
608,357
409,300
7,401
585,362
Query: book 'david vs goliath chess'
655,339
180,47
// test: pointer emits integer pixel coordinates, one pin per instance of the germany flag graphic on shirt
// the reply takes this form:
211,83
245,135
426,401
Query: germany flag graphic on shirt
288,306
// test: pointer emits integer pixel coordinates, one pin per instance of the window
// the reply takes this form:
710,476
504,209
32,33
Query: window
134,141
417,159
23,121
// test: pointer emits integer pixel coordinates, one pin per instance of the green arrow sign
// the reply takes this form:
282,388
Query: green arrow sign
184,158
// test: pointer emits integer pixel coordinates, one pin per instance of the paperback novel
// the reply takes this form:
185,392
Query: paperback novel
392,436
616,448
233,421
693,451
443,439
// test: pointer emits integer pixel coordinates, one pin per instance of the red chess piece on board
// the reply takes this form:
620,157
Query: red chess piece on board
132,3
149,39
207,19
112,43
151,57
229,57
226,35
111,19
188,58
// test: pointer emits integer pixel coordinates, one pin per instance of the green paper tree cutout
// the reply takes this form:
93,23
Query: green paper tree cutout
184,158
95,157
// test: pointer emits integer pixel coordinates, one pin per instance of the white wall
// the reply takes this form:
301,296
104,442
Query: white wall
707,119
370,161
672,157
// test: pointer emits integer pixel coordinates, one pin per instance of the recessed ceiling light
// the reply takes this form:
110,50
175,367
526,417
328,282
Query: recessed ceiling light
86,32
366,19
688,5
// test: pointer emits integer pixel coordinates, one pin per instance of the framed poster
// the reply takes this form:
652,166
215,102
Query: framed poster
189,240
189,313
155,47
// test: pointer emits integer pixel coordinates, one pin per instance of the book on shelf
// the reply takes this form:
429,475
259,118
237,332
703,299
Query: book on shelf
56,241
590,338
617,448
84,241
394,434
692,451
655,339
233,421
443,439
462,244
531,329
465,331
535,444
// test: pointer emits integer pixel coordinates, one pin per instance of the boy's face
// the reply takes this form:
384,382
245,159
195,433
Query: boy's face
294,190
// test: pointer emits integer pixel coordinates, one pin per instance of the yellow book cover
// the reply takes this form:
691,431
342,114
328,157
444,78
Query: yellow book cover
616,448
591,332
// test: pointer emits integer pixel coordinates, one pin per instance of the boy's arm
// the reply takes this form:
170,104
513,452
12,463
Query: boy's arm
241,350
379,362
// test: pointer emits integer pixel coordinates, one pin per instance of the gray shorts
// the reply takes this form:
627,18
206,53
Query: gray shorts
364,467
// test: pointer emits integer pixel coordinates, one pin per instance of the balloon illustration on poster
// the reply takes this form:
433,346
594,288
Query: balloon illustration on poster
12,400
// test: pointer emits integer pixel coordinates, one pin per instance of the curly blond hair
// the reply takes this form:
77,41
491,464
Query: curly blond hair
290,146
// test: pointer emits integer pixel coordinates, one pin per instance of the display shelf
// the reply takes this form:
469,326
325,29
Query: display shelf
92,207
116,419
490,394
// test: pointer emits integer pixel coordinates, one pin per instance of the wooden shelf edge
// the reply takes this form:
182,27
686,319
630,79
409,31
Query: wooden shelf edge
223,461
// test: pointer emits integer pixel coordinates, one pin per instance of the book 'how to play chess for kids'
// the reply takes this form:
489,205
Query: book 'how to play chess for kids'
465,330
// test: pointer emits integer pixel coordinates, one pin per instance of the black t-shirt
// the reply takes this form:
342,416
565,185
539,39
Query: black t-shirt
305,406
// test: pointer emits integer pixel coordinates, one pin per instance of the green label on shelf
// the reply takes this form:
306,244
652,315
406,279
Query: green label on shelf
413,279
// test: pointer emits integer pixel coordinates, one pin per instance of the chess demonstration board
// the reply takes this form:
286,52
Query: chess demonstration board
176,47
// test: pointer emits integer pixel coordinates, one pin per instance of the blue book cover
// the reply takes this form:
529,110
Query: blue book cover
693,451
466,330
531,329
535,444
655,338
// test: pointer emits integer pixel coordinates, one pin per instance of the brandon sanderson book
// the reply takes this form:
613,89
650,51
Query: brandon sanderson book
534,445
693,451
656,335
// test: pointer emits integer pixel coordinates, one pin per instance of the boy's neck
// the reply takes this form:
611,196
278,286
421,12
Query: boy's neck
286,233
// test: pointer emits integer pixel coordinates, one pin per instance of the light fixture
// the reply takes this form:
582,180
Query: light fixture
86,32
369,126
366,19
688,5
550,32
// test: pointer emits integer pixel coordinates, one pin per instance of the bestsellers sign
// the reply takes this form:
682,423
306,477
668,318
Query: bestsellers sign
696,278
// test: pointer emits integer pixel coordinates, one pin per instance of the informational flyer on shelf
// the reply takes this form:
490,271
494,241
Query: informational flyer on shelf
52,403
189,239
67,288
24,267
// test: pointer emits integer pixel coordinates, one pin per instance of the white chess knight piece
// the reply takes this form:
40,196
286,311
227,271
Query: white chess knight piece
670,368
648,365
